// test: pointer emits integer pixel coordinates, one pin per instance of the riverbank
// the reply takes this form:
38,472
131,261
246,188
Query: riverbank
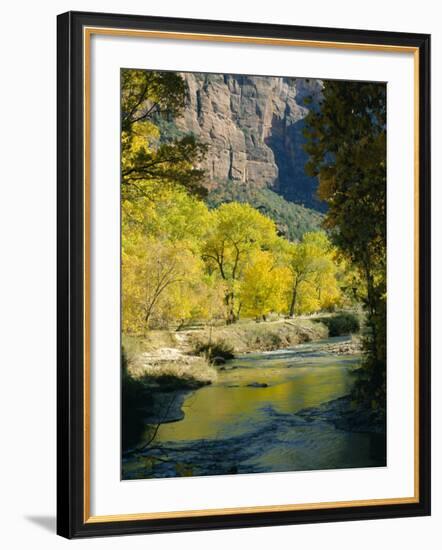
265,412
171,368
163,368
162,356
253,337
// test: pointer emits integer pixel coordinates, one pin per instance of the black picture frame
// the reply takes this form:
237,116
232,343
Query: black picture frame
71,519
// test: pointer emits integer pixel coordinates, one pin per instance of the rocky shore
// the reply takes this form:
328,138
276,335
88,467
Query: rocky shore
165,367
352,347
169,360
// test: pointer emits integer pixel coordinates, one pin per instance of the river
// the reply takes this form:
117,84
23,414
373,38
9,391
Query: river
247,421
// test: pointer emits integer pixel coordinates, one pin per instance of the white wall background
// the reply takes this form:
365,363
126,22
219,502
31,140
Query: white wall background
27,289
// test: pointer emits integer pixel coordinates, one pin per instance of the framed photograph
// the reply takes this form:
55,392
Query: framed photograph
243,274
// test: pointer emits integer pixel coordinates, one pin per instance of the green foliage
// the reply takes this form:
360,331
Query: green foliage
148,97
292,220
183,263
148,93
342,324
346,143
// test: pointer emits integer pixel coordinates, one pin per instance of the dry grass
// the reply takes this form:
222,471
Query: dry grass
251,336
169,358
171,363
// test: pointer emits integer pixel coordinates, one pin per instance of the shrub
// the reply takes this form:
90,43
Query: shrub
211,350
341,324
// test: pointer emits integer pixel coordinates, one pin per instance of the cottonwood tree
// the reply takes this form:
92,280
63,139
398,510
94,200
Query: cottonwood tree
313,270
236,232
147,98
264,285
156,276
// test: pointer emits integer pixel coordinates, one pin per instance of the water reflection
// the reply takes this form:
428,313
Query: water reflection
239,426
231,406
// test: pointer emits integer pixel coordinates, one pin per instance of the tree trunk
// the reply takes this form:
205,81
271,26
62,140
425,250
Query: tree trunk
293,302
371,300
230,302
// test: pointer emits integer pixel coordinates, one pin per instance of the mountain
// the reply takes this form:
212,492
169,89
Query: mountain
253,126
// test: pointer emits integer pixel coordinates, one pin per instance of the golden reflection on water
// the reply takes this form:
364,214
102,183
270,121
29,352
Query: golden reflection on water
230,407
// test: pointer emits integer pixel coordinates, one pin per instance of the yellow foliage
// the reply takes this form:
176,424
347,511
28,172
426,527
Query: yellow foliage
156,278
182,262
167,213
236,231
263,286
313,275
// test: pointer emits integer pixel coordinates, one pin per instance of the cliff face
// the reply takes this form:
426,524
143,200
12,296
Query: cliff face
253,127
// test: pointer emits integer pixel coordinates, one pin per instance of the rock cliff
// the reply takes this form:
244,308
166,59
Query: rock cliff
253,127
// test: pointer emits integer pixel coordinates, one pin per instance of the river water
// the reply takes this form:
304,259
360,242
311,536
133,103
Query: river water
247,421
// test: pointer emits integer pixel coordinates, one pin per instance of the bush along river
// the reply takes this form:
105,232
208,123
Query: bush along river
283,410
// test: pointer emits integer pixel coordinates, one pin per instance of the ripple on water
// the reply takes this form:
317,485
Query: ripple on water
238,425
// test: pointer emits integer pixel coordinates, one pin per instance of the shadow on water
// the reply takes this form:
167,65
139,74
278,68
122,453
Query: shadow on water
247,421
